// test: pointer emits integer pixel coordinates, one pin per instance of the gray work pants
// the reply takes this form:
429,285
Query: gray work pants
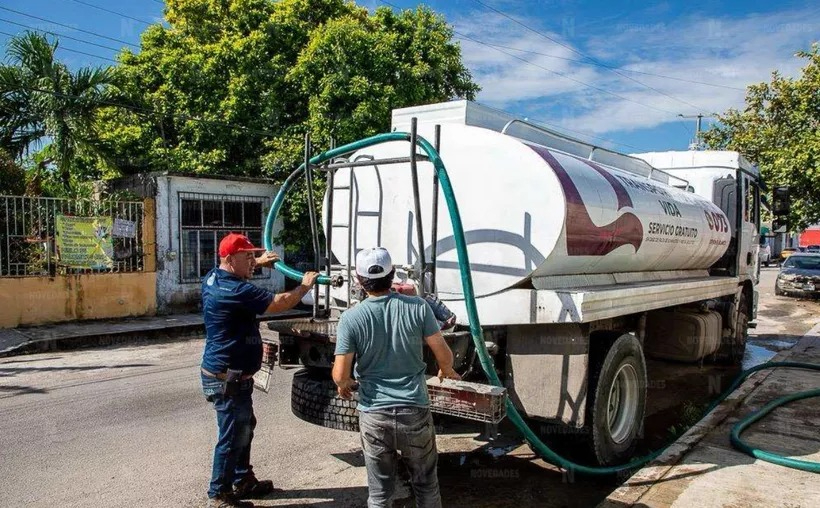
408,430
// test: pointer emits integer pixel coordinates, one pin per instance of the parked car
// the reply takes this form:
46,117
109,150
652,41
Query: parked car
799,276
785,253
813,248
765,254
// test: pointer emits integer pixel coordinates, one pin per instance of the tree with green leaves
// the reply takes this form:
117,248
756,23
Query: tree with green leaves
12,176
779,129
354,71
231,86
43,102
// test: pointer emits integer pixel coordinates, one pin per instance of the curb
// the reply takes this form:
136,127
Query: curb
634,488
74,335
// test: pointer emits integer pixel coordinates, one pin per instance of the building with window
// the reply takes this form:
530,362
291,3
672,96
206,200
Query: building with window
193,213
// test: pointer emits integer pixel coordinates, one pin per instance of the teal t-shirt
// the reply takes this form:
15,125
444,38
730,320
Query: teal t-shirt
387,335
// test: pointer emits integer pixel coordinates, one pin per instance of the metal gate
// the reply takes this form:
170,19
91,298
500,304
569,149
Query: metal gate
28,229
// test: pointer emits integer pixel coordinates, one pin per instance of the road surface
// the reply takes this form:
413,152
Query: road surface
128,426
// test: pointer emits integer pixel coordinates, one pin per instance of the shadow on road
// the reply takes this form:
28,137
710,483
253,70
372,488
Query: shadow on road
320,498
21,390
7,390
6,362
10,371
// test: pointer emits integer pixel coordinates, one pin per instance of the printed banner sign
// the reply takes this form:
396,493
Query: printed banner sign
84,242
124,228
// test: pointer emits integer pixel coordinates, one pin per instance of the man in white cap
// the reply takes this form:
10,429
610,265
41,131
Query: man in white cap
385,335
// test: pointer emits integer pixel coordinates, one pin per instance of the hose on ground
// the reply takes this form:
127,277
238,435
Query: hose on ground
538,446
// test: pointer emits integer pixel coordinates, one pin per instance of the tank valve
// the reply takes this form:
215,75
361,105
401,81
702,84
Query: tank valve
337,281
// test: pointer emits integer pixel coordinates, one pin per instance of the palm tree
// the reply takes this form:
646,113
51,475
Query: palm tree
42,101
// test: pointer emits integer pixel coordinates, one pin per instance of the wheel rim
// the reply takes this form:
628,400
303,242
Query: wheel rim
622,405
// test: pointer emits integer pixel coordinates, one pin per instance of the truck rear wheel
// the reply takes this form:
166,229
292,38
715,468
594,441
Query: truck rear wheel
618,400
314,399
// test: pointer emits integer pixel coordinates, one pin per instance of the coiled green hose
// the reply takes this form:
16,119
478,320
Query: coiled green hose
739,427
472,312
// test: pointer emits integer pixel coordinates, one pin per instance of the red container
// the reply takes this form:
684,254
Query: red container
268,354
405,289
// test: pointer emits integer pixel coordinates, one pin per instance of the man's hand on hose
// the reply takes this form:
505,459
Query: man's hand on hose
267,259
345,388
309,279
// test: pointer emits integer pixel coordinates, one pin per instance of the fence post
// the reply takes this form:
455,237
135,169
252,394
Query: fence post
149,237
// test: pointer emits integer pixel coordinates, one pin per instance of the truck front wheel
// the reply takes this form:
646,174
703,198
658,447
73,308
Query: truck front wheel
618,400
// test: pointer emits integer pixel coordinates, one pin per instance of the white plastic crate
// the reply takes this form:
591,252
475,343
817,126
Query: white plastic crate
473,401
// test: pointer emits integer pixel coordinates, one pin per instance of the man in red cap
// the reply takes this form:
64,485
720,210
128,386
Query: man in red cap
233,354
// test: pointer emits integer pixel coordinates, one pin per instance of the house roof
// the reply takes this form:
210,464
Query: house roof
231,178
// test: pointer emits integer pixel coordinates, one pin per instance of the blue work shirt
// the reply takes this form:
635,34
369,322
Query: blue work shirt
387,335
230,306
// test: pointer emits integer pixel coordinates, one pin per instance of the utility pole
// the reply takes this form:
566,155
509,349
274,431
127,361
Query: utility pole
695,144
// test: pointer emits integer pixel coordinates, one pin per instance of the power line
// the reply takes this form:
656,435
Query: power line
558,73
29,27
88,54
576,80
567,77
182,116
247,129
559,127
591,59
112,12
460,36
62,48
147,111
69,27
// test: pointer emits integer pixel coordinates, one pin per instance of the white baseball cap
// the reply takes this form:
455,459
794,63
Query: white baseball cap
373,263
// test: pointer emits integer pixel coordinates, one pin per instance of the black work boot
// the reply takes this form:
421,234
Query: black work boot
251,488
228,500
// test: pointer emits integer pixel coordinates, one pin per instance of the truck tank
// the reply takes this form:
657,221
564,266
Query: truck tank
529,213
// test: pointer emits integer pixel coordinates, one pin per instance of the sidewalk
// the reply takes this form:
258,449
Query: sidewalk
703,469
75,334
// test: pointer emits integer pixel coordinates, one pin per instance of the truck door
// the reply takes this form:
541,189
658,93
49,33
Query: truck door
740,201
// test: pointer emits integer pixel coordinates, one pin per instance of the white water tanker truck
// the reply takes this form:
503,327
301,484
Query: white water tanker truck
583,261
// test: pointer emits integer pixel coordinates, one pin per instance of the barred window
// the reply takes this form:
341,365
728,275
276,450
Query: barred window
205,219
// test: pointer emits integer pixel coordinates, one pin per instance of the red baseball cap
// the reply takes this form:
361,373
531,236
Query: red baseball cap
234,243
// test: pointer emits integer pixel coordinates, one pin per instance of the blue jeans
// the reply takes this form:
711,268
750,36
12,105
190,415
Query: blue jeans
385,433
235,421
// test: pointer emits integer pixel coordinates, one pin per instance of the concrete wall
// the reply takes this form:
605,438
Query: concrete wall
172,294
40,300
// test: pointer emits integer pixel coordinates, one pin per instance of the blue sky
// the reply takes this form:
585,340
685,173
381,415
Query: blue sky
548,60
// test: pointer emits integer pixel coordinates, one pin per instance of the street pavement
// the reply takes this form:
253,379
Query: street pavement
128,426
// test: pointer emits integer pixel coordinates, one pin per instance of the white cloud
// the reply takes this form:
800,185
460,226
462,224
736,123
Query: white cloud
733,52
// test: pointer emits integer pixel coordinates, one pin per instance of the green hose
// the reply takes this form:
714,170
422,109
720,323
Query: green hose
804,465
469,298
267,240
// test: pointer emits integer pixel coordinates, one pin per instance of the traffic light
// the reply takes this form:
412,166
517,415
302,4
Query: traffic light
780,201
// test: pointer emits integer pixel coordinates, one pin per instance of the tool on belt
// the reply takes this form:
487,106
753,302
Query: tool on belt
231,380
